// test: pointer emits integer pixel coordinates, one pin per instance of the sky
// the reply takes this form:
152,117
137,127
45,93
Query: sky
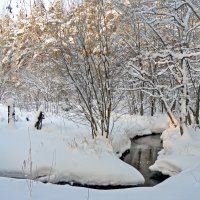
14,4
2,4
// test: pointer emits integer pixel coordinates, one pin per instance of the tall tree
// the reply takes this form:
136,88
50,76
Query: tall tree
169,52
91,61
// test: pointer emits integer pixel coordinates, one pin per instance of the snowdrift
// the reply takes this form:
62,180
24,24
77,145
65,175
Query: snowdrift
60,152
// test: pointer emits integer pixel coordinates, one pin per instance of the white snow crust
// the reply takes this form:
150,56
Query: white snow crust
64,151
179,152
61,152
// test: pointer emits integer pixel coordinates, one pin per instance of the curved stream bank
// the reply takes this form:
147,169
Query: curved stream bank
143,153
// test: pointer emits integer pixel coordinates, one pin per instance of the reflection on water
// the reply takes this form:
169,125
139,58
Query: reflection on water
143,153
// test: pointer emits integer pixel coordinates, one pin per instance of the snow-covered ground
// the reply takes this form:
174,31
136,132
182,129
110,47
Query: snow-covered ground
179,152
60,152
184,186
64,152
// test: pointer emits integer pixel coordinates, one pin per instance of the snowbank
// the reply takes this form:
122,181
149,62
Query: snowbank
129,126
183,186
179,152
61,152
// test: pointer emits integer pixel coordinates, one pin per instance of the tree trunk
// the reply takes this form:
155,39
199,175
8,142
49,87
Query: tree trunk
197,107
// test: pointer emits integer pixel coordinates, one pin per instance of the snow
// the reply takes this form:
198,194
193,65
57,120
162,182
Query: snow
183,186
11,119
127,127
64,152
50,41
55,155
179,152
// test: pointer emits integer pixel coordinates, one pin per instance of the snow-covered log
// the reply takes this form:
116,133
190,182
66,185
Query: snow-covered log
39,117
11,112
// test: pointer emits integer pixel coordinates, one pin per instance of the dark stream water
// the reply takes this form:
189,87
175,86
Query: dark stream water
143,153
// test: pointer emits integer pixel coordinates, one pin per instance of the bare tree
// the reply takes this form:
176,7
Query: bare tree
167,57
91,62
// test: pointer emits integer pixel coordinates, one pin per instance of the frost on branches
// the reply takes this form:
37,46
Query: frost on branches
164,66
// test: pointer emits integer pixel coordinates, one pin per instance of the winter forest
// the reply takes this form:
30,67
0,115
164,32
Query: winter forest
99,57
104,73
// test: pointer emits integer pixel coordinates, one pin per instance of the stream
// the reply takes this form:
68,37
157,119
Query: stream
143,153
